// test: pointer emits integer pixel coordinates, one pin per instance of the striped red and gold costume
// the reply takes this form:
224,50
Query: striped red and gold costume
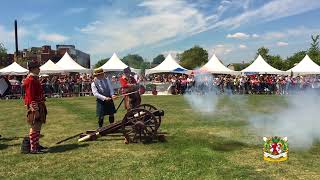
128,85
35,102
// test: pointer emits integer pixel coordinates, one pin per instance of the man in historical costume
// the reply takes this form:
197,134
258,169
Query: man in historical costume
103,90
35,102
129,85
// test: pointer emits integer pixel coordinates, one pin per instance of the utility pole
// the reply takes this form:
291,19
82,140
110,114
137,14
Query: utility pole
16,39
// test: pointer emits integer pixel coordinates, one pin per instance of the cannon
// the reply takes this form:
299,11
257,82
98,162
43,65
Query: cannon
140,124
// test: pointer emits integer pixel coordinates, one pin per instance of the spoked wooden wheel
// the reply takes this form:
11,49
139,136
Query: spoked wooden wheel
150,108
139,125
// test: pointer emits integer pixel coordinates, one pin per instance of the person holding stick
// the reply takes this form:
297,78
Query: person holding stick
130,87
103,90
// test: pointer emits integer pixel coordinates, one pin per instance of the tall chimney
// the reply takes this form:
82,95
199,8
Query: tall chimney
16,35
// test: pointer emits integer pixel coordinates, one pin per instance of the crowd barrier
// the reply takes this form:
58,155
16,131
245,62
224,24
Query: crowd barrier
84,89
54,90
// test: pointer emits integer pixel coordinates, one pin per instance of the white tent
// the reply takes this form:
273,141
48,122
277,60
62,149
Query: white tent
215,66
305,66
67,64
50,67
115,64
262,67
14,69
168,65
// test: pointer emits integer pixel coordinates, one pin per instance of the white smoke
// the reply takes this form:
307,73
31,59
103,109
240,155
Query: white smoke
202,97
298,119
299,122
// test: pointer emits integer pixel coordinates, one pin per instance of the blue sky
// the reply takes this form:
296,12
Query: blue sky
233,29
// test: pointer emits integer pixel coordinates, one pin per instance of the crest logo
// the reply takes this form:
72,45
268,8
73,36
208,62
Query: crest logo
275,149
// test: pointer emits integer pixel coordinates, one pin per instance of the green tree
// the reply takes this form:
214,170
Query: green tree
294,59
314,51
3,50
3,53
314,44
275,61
240,66
144,66
133,60
263,51
159,59
101,62
193,57
22,61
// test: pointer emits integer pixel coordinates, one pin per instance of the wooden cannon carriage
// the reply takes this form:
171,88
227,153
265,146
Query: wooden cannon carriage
140,124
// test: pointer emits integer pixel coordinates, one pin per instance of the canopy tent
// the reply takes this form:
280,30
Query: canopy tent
67,64
215,66
305,66
179,70
260,66
49,68
115,64
168,65
14,69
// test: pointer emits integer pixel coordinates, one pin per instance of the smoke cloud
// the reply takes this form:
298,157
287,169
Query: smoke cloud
299,122
202,97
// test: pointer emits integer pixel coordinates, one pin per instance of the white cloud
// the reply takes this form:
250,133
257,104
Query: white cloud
90,27
255,36
242,46
238,35
282,44
167,19
71,11
220,49
225,2
292,32
270,11
54,37
7,37
274,35
174,53
161,22
30,16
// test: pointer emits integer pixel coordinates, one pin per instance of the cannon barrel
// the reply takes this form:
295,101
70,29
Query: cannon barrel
158,113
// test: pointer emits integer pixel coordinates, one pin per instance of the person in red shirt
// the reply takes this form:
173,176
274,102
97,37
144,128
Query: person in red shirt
128,85
34,101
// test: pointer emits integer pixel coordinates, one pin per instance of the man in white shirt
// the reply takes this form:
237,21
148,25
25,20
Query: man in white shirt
102,89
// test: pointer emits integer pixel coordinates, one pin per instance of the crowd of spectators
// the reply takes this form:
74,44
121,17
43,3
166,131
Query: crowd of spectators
80,85
55,85
244,84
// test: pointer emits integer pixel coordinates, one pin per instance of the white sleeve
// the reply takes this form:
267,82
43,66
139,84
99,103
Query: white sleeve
96,93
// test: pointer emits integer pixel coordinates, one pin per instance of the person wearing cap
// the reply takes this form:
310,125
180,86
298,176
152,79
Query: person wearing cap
102,89
34,100
129,85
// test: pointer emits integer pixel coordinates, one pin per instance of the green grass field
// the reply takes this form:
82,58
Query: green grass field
220,146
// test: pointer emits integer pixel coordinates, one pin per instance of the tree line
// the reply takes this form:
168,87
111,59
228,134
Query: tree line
198,56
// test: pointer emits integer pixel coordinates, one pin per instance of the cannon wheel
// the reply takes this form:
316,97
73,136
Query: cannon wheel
150,108
139,125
